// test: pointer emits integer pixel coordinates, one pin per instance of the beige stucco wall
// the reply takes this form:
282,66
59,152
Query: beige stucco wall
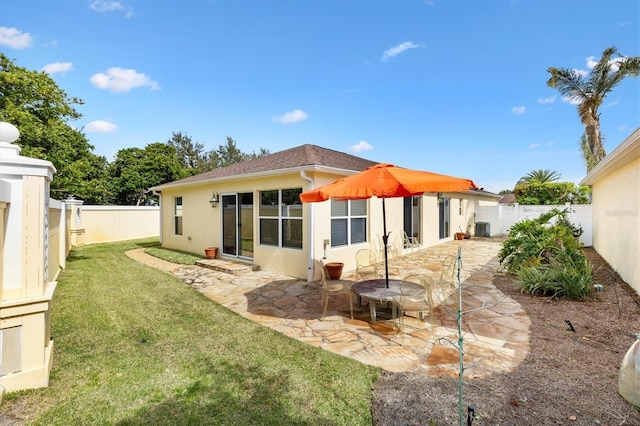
26,346
55,238
616,206
615,186
102,224
202,224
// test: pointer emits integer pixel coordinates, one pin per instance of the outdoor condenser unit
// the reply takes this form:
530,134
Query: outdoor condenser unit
483,229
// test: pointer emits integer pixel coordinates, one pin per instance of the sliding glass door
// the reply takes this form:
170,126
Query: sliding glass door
237,224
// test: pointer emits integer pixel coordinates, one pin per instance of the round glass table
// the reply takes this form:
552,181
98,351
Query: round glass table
375,291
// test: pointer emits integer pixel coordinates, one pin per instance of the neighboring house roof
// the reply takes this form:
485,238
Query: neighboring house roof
303,157
508,199
625,153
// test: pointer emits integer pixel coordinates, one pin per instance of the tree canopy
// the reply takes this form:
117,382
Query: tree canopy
191,156
34,103
229,154
135,170
540,176
194,159
551,193
589,93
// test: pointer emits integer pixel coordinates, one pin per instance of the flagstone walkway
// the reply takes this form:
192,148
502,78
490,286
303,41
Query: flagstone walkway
495,328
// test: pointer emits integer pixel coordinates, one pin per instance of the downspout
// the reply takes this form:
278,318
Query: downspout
159,194
304,176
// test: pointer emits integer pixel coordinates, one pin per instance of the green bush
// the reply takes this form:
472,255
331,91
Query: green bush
547,256
551,193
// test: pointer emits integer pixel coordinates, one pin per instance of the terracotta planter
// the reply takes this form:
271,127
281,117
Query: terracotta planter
459,236
211,252
334,269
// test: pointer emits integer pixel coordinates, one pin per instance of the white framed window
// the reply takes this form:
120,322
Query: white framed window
280,217
348,222
460,207
177,216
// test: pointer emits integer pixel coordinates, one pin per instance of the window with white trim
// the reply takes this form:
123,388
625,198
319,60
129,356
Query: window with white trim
177,216
348,222
280,217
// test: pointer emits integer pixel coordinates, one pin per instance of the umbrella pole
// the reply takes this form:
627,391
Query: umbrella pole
385,238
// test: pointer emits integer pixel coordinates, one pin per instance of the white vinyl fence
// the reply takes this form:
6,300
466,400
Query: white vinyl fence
501,217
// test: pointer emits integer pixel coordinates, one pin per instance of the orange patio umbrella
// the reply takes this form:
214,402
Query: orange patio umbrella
386,181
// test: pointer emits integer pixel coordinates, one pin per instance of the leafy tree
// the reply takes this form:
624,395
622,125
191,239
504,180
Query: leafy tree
190,155
135,170
551,193
590,92
34,103
540,176
229,154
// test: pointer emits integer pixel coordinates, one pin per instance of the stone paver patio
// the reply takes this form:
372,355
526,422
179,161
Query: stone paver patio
495,328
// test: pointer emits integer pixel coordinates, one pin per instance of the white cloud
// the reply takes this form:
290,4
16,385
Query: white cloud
58,67
360,146
570,100
547,100
534,146
14,38
582,73
591,63
291,117
394,51
612,103
519,110
118,79
104,6
100,126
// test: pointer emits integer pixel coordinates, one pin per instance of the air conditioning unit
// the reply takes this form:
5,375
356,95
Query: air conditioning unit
483,229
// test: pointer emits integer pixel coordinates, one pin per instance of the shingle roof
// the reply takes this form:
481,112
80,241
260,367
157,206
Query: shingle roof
300,156
508,199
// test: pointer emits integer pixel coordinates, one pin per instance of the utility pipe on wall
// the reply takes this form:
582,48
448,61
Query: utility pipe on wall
304,176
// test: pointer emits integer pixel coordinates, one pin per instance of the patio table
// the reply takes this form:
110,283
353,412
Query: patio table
376,290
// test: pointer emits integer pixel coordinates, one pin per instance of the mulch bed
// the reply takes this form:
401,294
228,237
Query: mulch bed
568,378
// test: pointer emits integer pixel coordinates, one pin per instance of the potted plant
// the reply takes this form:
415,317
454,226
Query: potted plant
334,270
459,235
211,252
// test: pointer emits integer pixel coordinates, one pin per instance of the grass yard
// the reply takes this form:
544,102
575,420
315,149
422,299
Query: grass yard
135,346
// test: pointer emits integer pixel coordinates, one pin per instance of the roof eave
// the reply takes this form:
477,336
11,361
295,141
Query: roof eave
626,152
257,175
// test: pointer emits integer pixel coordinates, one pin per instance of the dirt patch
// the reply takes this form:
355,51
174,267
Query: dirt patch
568,378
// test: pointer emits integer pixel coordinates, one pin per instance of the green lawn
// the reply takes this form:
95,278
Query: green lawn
135,346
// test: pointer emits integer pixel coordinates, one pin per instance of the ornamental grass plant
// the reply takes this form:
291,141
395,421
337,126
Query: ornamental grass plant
135,346
546,255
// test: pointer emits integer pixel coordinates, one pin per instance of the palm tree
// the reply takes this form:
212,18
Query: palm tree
589,92
540,176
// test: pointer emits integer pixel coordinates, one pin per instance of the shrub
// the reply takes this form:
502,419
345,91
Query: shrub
547,256
550,193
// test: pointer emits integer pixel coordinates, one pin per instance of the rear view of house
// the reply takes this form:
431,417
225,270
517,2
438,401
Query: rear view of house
252,211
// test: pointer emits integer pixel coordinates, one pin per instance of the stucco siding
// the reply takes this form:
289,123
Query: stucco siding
202,223
102,224
616,221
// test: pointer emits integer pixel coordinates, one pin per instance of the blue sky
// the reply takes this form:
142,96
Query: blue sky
454,87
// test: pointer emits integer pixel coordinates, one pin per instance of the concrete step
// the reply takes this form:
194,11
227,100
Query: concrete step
228,266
